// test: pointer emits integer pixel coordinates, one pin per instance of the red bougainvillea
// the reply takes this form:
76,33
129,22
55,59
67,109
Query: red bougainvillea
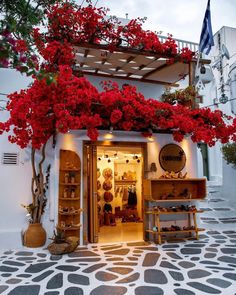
67,102
74,103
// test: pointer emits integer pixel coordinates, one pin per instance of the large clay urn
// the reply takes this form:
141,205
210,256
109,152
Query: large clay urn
35,235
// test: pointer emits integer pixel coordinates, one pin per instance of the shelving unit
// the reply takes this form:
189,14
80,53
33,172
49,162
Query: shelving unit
169,192
69,193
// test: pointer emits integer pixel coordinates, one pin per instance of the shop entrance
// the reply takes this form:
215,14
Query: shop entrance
115,204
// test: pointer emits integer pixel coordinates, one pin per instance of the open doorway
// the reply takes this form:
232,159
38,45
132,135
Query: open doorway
119,193
114,190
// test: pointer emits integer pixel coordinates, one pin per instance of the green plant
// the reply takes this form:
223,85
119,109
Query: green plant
229,153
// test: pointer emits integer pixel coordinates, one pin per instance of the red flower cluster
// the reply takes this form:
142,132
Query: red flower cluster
73,103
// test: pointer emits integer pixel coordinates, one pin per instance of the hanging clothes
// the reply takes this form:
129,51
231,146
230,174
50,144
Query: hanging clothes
132,197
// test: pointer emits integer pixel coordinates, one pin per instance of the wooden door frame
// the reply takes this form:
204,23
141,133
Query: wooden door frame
88,147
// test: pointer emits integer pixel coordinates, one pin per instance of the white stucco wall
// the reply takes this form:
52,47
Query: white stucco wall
15,181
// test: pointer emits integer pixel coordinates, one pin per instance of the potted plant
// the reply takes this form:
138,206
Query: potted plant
185,97
35,235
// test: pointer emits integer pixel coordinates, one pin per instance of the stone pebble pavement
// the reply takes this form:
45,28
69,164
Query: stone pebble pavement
206,266
181,267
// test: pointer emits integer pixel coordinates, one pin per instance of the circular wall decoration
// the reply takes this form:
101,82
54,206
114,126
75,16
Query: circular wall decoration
172,158
108,197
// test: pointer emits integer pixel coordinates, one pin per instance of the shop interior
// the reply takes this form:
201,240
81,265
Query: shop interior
119,194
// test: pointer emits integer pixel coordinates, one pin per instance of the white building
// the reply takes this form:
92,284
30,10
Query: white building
219,92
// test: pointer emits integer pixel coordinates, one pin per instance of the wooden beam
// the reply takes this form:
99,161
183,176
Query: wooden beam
156,70
108,76
86,52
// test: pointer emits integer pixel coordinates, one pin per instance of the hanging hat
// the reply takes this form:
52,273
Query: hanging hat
108,197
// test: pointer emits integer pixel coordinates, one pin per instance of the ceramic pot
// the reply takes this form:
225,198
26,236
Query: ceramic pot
35,235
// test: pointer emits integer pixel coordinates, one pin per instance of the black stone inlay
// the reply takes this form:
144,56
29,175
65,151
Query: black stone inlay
132,258
55,282
37,267
114,290
94,267
212,249
148,248
42,276
126,263
198,273
120,270
203,288
5,275
111,248
190,251
180,291
176,275
13,281
209,255
220,268
67,267
78,279
3,288
129,279
55,257
74,291
229,232
228,250
209,262
136,244
151,259
42,255
170,246
219,237
115,259
213,232
155,276
186,264
105,276
82,254
24,253
84,260
13,263
24,276
197,245
8,252
195,258
25,290
52,293
148,290
122,251
227,259
173,255
167,264
219,282
231,276
4,268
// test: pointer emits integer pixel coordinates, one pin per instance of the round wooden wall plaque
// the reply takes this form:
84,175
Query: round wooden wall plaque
172,158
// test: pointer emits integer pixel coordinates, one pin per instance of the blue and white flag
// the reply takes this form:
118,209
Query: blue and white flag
206,39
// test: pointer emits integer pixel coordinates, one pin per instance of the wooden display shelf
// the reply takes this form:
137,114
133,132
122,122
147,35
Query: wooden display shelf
69,199
70,184
173,200
172,212
117,182
64,169
175,231
77,227
65,213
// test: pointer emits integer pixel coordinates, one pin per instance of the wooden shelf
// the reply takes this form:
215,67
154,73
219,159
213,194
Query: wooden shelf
77,227
70,184
117,182
175,231
76,170
69,199
62,213
172,212
173,200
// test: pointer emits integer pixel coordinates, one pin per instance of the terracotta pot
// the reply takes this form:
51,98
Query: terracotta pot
35,235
